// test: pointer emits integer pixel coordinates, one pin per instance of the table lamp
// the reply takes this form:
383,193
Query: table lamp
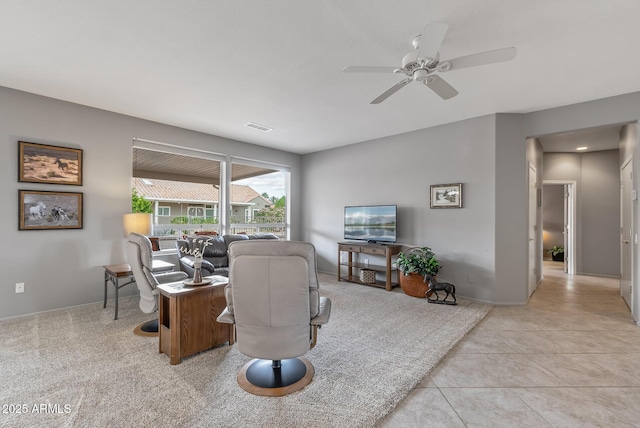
138,223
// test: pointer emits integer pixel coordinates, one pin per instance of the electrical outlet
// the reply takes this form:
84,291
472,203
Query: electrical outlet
20,287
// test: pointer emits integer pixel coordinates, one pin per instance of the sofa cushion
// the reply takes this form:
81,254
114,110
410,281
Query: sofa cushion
228,239
263,236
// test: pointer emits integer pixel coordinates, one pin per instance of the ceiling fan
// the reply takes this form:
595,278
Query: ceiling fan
423,64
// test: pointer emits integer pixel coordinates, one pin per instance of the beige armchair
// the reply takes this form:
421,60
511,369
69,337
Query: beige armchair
139,254
274,302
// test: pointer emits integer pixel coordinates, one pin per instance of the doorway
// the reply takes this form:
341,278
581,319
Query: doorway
584,166
559,220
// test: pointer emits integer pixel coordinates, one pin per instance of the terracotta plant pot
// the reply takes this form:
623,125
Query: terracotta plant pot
413,285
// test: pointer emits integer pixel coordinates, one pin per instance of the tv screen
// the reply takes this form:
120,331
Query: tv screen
373,223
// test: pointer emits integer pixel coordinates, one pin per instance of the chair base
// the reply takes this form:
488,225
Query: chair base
259,377
149,328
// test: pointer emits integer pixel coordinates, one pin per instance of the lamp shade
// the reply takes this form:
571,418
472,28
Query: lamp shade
138,223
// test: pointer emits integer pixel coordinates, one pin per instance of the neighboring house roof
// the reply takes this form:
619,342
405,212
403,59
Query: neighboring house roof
180,191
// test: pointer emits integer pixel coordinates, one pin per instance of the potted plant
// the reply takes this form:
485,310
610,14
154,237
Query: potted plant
415,265
557,253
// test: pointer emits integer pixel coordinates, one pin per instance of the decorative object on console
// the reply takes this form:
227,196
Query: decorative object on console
435,286
446,195
42,163
415,265
41,210
197,266
367,276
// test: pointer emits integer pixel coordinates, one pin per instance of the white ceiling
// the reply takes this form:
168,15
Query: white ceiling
213,66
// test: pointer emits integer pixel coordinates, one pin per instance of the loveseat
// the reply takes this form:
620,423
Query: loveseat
214,251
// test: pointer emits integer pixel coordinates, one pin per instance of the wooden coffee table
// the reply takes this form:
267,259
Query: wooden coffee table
187,322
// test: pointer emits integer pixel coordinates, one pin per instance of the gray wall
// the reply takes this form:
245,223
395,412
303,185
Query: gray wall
512,209
399,170
485,241
62,268
597,177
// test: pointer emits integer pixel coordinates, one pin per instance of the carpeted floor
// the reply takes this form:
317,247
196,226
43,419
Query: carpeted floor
79,367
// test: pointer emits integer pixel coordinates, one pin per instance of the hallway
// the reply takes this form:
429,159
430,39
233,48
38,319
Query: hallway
569,358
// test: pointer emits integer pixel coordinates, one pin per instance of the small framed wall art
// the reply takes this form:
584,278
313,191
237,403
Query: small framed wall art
40,210
446,195
41,163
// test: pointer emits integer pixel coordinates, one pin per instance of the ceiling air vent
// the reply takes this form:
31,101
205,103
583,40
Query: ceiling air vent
258,127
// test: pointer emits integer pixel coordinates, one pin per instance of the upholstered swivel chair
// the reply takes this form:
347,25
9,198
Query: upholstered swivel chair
139,253
274,302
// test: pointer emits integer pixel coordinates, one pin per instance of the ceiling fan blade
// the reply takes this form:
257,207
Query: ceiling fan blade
431,39
482,58
392,90
369,69
441,87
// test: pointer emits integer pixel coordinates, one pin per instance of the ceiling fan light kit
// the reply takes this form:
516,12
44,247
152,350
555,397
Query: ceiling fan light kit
423,64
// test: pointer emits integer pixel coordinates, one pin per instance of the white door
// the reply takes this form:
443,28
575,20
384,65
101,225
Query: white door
565,230
533,230
626,232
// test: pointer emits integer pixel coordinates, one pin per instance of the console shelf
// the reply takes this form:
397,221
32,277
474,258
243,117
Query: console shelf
353,267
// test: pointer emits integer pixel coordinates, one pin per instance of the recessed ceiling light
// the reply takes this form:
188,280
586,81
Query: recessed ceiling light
257,126
580,149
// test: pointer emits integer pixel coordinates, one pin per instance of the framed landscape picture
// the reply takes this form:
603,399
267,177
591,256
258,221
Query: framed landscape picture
39,210
446,195
41,163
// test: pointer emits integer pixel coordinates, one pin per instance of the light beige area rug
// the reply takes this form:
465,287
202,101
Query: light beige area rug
80,368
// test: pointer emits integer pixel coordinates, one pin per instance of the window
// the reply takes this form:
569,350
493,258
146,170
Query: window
260,193
195,190
211,212
182,184
195,212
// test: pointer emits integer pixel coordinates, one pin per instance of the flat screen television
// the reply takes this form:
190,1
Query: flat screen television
372,223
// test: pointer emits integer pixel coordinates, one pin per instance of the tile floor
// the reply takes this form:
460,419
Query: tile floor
569,358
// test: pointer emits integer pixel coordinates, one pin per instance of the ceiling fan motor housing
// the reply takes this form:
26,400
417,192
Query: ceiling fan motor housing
420,74
411,63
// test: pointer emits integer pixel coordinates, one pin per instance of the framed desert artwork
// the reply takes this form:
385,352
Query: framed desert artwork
446,195
41,210
41,163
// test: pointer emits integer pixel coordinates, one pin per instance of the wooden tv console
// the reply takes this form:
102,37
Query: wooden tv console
353,267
